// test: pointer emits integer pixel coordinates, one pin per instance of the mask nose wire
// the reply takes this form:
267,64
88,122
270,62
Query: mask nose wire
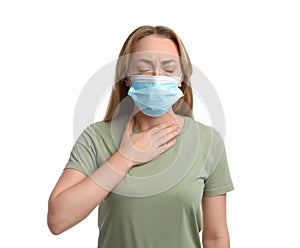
129,76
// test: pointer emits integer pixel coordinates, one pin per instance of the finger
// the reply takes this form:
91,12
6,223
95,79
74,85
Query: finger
167,134
167,146
161,127
167,137
167,131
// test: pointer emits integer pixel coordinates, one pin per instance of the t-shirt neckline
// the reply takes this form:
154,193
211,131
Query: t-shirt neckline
184,127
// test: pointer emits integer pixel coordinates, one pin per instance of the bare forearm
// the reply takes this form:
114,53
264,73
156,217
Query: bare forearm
75,203
222,242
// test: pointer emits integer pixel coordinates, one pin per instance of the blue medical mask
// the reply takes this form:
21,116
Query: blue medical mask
154,95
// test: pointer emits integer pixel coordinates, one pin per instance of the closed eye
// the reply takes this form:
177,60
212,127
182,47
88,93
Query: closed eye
143,66
143,69
169,71
169,66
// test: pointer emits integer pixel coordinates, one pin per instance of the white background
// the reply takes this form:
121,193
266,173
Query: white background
250,52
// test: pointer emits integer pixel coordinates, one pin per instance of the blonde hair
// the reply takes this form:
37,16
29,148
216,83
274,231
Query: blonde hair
119,91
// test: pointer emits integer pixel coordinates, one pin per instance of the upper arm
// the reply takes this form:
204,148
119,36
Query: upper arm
68,178
81,163
214,216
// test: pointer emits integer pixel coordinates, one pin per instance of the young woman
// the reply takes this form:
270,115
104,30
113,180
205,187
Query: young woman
157,176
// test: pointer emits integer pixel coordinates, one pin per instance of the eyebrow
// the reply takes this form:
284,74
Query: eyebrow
162,62
168,61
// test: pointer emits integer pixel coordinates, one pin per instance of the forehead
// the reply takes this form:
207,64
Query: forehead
157,44
153,57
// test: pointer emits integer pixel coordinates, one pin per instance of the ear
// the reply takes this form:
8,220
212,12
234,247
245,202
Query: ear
127,81
180,83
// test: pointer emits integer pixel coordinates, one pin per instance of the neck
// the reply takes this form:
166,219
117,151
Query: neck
144,122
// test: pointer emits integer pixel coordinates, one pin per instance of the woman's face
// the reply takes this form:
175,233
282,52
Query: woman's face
154,55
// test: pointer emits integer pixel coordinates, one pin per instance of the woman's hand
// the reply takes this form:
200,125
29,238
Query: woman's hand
147,145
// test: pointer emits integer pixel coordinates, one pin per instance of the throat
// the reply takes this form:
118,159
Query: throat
144,122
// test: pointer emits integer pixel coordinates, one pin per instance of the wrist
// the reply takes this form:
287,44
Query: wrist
121,163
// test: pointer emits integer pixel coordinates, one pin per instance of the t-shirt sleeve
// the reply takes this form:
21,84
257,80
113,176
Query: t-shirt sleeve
83,154
219,180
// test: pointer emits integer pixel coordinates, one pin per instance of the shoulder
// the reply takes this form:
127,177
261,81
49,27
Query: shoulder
102,129
204,129
207,134
91,131
101,126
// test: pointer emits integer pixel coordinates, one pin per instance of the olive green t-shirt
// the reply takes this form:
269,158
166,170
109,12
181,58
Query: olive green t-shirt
156,204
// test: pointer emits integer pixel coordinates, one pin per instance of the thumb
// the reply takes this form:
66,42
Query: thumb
130,125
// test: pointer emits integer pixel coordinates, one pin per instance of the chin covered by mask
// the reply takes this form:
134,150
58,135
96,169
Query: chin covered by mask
154,95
